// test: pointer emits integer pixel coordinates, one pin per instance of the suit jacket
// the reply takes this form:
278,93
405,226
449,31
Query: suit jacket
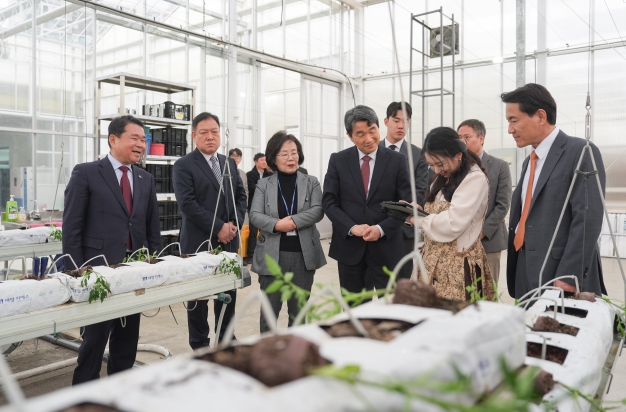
420,171
244,180
253,178
575,250
197,192
264,215
96,220
345,204
494,228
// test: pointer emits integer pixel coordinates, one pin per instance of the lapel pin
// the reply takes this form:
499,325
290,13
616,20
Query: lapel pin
140,176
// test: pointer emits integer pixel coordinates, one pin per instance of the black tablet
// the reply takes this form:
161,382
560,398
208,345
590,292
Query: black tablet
403,207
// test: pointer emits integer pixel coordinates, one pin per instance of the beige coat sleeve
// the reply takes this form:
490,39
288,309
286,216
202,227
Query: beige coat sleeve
465,215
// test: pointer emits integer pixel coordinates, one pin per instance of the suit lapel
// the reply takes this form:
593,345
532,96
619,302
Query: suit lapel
137,188
551,160
108,174
382,157
355,169
204,166
302,190
272,195
404,149
486,162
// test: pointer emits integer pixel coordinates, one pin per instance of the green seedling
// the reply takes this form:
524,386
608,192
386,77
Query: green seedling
101,288
228,266
56,234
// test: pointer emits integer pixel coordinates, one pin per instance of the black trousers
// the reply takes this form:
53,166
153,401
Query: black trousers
252,241
122,348
367,274
198,323
407,268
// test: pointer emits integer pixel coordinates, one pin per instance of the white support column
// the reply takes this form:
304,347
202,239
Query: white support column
520,42
359,47
33,95
542,51
231,111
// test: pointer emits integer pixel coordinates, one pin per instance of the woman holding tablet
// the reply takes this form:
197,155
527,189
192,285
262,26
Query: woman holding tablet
456,203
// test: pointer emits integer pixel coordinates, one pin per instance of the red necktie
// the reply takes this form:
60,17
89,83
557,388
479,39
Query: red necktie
521,227
128,197
365,173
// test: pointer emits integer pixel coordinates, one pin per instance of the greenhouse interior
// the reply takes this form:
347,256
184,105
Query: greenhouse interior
428,211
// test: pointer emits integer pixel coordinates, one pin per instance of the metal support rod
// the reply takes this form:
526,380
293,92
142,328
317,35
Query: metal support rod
441,63
520,43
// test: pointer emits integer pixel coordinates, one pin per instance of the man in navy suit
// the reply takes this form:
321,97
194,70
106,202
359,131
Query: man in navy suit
197,177
111,210
358,179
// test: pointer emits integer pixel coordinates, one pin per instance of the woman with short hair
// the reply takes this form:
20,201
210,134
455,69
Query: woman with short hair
453,254
286,206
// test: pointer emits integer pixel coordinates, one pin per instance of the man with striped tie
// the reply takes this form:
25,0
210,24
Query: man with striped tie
197,178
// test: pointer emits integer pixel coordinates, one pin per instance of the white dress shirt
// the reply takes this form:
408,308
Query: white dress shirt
463,221
398,145
372,163
118,173
542,152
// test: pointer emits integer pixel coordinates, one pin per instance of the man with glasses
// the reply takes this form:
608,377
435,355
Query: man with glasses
494,233
237,155
199,191
111,210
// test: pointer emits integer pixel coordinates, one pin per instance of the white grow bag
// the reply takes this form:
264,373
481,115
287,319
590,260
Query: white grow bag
587,351
21,296
475,340
32,236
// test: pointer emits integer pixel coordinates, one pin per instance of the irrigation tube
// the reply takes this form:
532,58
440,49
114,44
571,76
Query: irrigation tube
142,347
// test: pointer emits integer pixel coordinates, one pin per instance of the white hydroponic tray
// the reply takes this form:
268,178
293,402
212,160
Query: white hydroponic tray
19,237
473,341
587,351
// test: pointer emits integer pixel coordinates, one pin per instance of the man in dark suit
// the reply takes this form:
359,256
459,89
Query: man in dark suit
258,172
196,179
494,234
111,210
540,195
395,141
358,179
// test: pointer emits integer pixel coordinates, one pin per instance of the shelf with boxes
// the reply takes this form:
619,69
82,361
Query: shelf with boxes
168,141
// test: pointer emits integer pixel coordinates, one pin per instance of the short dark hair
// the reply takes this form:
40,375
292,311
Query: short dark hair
532,97
394,107
359,114
203,116
477,125
276,143
258,156
235,151
118,125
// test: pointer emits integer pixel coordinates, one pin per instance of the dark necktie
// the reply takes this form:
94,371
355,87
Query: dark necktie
128,197
365,173
393,147
215,166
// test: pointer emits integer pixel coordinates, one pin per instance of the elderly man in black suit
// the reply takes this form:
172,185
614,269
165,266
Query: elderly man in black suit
395,141
358,179
540,196
494,233
196,179
111,210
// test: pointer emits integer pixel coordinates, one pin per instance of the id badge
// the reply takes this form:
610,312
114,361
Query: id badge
291,233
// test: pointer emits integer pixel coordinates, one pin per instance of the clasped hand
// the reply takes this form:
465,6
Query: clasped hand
227,233
367,232
285,224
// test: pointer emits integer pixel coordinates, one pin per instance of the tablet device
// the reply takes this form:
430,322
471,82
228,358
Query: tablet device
403,207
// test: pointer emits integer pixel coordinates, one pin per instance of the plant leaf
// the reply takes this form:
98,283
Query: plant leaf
288,276
272,266
274,286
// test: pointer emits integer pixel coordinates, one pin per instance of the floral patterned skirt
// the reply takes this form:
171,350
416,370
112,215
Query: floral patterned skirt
451,271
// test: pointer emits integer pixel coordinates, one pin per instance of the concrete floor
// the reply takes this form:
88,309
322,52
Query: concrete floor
163,330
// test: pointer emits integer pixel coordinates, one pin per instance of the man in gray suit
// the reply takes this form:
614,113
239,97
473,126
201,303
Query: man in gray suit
395,141
540,195
494,234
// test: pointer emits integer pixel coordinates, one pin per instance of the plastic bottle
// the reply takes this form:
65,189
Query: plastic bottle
11,210
21,216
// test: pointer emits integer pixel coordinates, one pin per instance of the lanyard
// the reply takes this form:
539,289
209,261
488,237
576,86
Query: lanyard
293,199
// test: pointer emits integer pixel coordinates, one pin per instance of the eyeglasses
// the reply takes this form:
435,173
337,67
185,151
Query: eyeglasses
286,156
